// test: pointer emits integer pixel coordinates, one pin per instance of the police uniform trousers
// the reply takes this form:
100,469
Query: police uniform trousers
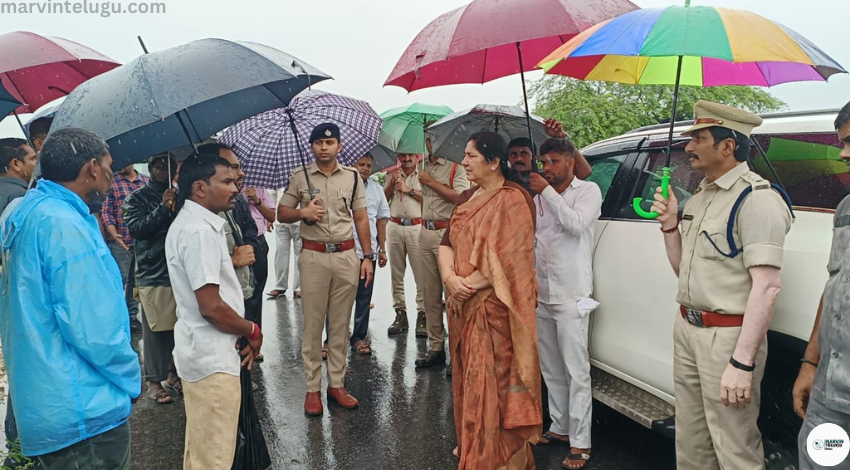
432,286
403,244
816,414
329,285
710,435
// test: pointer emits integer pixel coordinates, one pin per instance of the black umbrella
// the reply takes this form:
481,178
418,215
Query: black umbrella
166,99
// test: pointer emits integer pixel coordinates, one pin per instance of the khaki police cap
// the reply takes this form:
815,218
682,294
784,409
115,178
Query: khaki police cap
710,114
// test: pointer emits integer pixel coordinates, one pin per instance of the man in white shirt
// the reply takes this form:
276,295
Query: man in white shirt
210,314
288,238
567,210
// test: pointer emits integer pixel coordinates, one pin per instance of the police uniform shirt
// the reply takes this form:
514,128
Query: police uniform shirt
404,206
434,207
832,382
710,281
336,193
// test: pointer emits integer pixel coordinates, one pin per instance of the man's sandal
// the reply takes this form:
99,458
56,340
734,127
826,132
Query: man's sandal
276,294
363,348
574,457
176,386
325,352
553,440
161,397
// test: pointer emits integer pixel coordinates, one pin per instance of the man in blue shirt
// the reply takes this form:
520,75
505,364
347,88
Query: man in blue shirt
63,319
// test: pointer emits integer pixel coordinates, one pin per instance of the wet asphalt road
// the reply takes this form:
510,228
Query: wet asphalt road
405,416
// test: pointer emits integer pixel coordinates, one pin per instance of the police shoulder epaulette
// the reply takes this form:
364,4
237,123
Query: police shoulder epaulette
297,169
756,181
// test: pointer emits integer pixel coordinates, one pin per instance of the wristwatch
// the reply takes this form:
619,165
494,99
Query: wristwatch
412,193
371,256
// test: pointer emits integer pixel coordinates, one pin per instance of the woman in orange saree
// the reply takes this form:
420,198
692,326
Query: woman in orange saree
487,264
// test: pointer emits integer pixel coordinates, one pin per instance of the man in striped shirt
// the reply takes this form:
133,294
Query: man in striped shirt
119,240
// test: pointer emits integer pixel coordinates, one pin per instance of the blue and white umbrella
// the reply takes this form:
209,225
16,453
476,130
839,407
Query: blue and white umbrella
271,145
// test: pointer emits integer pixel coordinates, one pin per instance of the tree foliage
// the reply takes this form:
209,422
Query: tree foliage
592,111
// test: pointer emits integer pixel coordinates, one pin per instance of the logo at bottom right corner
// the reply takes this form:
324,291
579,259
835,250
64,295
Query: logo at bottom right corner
828,445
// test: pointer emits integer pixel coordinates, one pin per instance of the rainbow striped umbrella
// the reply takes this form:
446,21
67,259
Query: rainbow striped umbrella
685,45
718,46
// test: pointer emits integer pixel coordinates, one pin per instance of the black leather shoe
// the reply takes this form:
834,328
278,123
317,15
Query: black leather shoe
400,324
431,358
421,325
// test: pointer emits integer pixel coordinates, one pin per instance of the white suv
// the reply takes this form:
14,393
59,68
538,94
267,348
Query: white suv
631,336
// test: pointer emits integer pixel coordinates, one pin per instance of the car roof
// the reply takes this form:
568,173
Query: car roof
821,121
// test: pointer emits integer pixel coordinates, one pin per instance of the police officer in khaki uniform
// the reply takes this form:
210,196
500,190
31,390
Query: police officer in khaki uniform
727,290
331,197
402,188
442,181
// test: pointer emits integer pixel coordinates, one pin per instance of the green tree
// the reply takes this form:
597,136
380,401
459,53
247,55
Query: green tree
592,111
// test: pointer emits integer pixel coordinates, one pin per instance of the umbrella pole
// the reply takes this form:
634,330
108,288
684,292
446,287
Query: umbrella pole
525,100
301,157
24,130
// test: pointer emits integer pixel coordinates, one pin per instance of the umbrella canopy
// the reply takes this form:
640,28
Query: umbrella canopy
479,42
8,103
383,157
168,99
404,127
37,69
450,134
719,46
47,111
271,145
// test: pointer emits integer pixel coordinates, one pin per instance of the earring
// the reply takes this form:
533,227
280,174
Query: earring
492,168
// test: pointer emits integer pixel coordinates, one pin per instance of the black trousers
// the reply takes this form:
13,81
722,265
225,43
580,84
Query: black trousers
254,304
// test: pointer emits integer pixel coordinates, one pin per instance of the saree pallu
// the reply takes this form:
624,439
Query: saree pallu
493,339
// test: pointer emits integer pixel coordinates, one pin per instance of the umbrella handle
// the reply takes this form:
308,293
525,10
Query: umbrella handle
665,191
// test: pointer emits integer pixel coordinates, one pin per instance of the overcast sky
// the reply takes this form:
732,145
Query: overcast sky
359,41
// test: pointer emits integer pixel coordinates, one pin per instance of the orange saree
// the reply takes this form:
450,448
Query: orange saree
493,339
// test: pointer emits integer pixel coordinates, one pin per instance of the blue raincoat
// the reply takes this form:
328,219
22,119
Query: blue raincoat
64,323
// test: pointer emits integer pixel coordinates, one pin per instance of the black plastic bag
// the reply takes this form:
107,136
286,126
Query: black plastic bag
251,450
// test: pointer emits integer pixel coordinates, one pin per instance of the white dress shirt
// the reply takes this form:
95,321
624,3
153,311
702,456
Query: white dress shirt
564,241
197,255
376,208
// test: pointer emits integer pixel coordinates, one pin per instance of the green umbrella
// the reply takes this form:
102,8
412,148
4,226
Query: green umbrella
404,127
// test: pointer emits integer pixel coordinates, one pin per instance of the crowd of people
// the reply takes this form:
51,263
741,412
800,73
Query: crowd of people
501,252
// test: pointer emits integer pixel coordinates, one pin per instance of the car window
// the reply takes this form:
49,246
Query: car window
807,165
604,170
684,179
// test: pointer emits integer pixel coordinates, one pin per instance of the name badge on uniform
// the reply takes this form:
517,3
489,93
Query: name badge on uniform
687,217
314,192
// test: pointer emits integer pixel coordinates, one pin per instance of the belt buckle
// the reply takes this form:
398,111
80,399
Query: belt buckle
430,225
331,247
407,222
694,317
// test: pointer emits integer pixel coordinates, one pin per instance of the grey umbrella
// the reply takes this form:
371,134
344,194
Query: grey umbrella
450,134
185,94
